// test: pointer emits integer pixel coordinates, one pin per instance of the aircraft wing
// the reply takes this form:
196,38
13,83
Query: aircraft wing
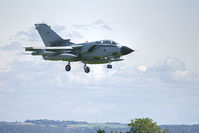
54,49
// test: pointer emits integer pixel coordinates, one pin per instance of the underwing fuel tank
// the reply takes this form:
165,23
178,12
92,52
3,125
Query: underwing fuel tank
42,52
60,57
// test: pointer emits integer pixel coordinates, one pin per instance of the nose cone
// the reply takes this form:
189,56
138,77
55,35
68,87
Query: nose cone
125,50
36,25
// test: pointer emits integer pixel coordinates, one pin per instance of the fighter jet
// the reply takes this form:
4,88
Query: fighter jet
58,49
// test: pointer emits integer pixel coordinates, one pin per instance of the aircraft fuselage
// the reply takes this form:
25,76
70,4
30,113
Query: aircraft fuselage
98,52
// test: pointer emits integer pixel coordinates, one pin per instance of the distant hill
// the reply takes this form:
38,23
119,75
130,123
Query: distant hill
52,126
182,128
53,122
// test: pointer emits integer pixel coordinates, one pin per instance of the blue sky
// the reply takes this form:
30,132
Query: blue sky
160,81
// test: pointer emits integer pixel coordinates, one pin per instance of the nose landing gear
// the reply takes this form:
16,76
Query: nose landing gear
109,66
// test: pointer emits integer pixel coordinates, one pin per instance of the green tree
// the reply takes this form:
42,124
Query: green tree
101,131
145,125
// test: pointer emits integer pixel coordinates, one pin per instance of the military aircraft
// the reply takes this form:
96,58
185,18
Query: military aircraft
58,49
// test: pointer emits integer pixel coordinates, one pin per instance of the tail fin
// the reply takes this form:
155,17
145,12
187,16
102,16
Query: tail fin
49,37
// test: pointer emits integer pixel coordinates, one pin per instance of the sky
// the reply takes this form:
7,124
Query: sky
160,80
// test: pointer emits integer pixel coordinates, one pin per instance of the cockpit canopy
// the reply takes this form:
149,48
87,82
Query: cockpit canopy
107,42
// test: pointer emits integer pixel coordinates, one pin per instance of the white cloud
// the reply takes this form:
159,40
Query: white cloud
12,46
96,24
29,35
157,88
181,74
152,91
142,68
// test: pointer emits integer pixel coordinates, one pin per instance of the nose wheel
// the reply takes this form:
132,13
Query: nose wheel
86,69
109,66
68,67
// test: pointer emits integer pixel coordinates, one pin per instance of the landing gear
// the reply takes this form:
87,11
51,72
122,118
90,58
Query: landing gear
109,66
86,69
68,67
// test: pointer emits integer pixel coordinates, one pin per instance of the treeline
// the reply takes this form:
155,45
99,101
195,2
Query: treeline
51,126
6,127
56,123
41,129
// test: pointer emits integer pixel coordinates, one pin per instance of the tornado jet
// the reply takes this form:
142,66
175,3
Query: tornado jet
59,49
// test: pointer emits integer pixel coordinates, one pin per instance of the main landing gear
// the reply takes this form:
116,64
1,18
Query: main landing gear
68,67
86,69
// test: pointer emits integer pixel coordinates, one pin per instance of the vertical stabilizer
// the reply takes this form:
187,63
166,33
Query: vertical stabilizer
49,37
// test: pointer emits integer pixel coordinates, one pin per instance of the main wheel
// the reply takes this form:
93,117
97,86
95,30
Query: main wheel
68,67
109,66
86,69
